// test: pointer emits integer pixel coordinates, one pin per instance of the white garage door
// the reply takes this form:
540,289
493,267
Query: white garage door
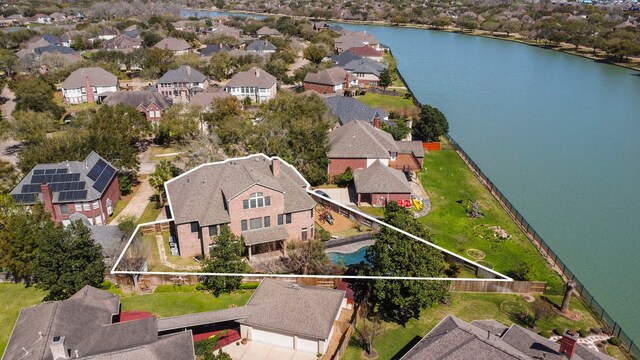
271,338
307,345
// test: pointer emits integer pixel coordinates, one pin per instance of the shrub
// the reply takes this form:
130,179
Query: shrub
614,341
528,320
558,331
542,310
453,270
106,285
597,331
583,332
200,286
249,286
345,179
545,333
324,235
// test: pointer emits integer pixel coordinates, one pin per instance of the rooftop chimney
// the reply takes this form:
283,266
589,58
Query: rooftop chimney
376,121
47,198
568,343
58,348
275,167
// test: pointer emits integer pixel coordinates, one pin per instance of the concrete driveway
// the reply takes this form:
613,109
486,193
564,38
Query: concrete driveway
345,196
254,350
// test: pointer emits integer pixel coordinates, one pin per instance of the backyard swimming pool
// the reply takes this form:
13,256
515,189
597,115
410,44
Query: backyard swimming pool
348,258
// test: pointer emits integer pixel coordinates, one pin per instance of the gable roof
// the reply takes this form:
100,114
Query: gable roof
138,98
360,140
347,109
344,58
70,181
266,31
97,76
184,73
261,46
255,77
366,51
333,76
173,44
379,178
201,194
365,65
453,338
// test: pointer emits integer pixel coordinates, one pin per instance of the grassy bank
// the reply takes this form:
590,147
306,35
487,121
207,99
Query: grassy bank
397,339
14,297
387,102
452,188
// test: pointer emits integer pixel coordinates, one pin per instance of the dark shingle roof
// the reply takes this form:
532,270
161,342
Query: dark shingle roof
97,76
137,98
200,194
360,140
261,46
214,49
345,58
54,49
365,65
184,73
347,109
378,178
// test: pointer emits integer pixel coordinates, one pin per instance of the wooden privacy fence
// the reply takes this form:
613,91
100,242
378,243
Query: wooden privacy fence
431,146
155,228
166,279
503,287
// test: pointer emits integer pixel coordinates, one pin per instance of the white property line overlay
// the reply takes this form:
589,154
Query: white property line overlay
504,278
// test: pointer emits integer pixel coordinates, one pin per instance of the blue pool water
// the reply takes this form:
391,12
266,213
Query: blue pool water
348,258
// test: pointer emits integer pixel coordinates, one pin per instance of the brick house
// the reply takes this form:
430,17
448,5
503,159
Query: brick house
379,184
262,199
328,81
73,190
358,145
88,85
255,83
366,70
181,84
150,104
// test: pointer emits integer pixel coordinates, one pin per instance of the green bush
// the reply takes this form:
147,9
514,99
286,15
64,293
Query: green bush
106,285
249,286
583,332
345,179
205,347
614,341
200,287
545,333
324,235
558,331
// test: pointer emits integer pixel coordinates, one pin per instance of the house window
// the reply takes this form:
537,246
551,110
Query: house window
98,220
288,218
96,205
280,219
255,223
243,225
256,200
194,227
267,221
86,206
78,207
64,209
213,230
304,233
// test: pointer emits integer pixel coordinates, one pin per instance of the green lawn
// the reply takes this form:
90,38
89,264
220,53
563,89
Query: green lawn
175,259
150,213
451,187
14,297
179,303
153,260
387,102
468,307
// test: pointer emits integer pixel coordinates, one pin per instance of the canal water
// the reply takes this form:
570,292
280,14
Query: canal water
559,135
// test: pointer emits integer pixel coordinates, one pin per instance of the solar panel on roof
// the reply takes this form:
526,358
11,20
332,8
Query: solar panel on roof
50,171
30,188
97,169
62,171
73,195
38,172
104,178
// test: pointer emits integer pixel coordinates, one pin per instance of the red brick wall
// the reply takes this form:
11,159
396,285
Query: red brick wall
112,192
189,243
322,89
338,166
237,213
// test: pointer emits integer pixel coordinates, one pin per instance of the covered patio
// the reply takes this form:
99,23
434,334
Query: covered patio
265,240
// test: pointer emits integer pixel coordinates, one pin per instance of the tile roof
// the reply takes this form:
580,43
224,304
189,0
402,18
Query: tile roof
77,174
333,76
360,140
97,76
173,44
255,77
379,178
261,46
347,109
137,98
184,73
200,194
453,338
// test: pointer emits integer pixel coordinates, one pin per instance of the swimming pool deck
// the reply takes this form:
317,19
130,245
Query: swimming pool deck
349,248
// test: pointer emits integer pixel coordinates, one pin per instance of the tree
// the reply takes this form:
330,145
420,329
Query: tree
135,259
369,331
431,124
399,129
307,257
226,256
31,126
33,93
385,79
178,123
127,225
395,254
164,171
315,53
8,62
9,177
67,260
222,65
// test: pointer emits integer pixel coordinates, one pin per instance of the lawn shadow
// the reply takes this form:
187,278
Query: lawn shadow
406,348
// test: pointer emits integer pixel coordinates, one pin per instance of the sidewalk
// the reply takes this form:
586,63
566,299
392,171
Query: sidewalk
137,204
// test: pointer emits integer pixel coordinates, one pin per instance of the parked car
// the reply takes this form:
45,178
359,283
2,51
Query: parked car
323,194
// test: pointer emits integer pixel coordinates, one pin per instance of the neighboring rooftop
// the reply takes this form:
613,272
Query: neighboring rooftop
183,74
365,66
201,194
97,77
138,98
254,77
379,178
333,76
214,49
261,46
347,109
344,58
365,51
204,99
70,181
359,139
173,44
267,31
